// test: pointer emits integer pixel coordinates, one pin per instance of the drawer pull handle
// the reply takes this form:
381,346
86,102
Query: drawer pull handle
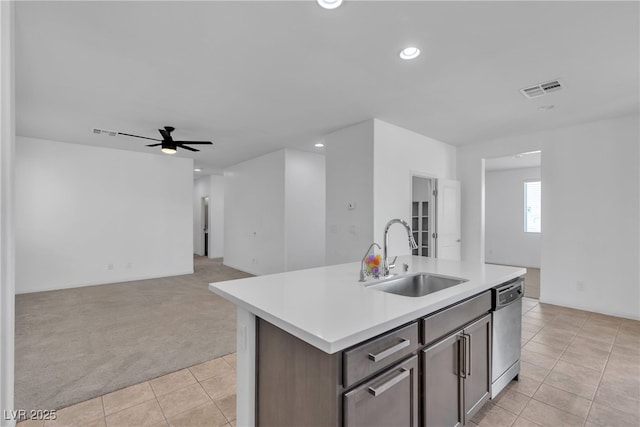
388,352
404,373
467,337
462,354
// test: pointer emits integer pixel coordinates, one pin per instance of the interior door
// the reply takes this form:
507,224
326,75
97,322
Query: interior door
448,219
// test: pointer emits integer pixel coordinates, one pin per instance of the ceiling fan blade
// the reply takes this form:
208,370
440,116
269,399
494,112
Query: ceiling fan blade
137,136
186,148
165,135
194,142
154,145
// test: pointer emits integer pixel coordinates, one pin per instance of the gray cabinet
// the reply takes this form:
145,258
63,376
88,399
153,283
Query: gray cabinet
441,382
366,359
385,381
456,375
389,399
477,381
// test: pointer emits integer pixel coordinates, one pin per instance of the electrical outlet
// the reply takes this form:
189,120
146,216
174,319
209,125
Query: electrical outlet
109,266
129,265
254,261
580,286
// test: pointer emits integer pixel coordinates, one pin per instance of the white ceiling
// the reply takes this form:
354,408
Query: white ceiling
257,76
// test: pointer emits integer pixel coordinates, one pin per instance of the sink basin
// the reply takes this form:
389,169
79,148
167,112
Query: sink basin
416,285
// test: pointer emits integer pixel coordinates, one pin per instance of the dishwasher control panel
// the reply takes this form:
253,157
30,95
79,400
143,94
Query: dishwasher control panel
508,293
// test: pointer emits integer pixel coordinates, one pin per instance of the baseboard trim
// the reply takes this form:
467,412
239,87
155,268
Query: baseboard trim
240,269
101,282
589,309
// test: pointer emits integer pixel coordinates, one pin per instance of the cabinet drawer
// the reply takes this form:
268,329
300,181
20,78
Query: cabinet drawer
372,356
442,323
389,399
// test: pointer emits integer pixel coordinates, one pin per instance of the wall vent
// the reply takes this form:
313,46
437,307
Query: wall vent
104,132
541,89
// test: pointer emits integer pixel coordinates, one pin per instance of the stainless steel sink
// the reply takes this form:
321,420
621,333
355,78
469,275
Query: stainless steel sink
416,285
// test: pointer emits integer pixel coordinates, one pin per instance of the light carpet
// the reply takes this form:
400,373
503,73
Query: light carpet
76,344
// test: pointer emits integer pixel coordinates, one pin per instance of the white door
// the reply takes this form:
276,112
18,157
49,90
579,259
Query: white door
448,219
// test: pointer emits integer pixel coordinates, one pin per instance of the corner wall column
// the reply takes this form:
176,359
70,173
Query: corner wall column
7,245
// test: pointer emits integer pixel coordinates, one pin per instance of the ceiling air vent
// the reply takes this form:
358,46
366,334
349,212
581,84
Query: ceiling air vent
104,132
541,89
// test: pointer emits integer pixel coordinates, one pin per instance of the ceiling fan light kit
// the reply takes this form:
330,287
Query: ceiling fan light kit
167,143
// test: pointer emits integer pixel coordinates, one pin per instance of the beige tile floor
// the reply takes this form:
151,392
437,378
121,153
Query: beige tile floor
202,395
578,369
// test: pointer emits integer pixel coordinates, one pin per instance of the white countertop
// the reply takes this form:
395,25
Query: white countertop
330,309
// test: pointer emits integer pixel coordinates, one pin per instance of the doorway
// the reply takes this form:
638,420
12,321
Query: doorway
423,225
205,224
512,210
435,216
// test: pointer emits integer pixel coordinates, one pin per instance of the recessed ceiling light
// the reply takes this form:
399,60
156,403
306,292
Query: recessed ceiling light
329,4
197,170
546,107
409,52
169,150
319,145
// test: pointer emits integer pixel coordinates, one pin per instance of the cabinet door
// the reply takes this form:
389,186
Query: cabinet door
477,364
389,399
441,382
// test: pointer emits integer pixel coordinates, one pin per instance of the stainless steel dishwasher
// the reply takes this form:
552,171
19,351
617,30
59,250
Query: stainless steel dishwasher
507,330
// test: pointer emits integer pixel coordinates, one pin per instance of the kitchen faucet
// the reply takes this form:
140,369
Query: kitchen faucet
412,244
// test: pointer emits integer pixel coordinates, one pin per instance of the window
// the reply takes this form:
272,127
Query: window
532,212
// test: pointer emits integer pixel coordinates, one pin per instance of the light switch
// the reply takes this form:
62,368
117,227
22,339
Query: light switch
351,206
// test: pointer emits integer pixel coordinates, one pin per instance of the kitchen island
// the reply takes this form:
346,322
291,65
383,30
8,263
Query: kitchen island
326,312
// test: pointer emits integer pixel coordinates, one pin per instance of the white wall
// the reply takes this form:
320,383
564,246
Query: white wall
305,210
216,216
505,239
7,248
274,210
80,209
254,212
590,211
398,154
201,188
349,179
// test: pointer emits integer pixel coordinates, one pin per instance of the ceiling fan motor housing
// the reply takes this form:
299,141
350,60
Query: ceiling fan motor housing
169,144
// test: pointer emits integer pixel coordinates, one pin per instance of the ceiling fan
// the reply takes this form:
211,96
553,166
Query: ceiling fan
169,146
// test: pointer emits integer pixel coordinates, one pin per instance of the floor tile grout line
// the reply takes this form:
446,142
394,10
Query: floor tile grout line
155,395
520,414
104,413
551,370
602,374
213,400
